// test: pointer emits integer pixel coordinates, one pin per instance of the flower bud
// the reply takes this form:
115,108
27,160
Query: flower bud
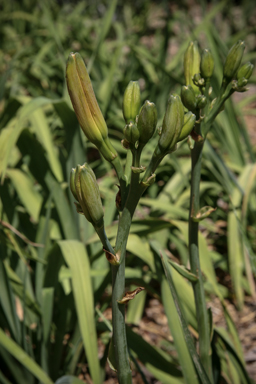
188,97
131,102
201,101
147,121
198,80
207,64
233,60
72,183
88,194
240,83
86,107
188,125
245,71
131,133
172,124
192,64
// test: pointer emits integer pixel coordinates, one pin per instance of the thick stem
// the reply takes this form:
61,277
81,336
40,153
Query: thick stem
118,279
118,310
118,321
201,309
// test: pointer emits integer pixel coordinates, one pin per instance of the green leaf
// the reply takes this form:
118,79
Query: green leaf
42,131
3,379
18,288
136,307
180,343
8,303
31,199
156,361
184,290
188,338
77,259
183,271
204,254
47,310
141,249
63,207
239,365
105,26
11,133
16,351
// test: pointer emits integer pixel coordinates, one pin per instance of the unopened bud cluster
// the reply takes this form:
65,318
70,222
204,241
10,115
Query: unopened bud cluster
198,70
183,115
141,127
140,121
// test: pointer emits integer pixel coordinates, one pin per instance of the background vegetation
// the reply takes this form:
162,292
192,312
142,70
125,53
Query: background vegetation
55,291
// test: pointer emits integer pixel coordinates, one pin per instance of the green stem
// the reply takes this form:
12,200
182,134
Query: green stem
212,114
128,165
122,179
118,322
156,159
201,309
104,239
118,279
118,312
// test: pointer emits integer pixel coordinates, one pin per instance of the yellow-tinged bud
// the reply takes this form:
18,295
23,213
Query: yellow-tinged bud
245,71
207,64
188,125
147,121
131,102
188,97
233,60
192,64
86,107
172,124
88,195
131,133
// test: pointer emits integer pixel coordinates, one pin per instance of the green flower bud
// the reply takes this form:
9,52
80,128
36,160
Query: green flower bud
188,97
233,60
188,125
201,101
241,82
86,107
198,80
207,64
147,121
172,124
131,102
192,64
245,71
72,183
88,195
131,133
